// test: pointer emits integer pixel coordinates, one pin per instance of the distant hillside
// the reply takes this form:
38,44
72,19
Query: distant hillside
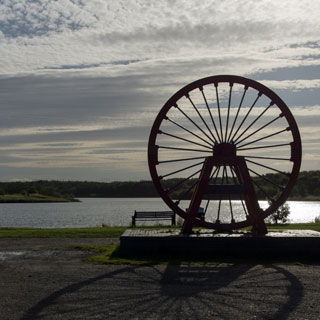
306,188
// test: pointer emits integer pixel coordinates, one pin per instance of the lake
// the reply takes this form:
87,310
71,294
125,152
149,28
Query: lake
93,212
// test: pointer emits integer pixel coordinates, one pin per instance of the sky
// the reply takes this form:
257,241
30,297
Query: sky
81,82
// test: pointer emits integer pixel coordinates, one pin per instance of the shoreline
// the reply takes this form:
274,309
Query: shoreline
34,198
38,201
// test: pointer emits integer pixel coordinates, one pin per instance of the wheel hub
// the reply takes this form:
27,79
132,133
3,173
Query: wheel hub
225,149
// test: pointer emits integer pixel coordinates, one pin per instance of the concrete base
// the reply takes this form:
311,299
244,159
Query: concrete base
286,243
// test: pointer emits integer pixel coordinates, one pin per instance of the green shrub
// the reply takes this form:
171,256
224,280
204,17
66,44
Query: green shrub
280,215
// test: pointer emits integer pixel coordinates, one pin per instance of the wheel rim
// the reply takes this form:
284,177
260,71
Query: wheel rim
235,114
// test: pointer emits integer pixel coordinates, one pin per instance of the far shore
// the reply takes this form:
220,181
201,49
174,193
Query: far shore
33,198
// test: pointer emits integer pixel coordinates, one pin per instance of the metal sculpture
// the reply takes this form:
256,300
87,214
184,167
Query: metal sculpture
218,145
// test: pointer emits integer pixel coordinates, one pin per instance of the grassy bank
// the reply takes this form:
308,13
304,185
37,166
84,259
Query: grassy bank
305,198
99,232
112,232
32,198
296,226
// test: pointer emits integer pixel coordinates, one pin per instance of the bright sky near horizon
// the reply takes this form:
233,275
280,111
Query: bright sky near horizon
81,82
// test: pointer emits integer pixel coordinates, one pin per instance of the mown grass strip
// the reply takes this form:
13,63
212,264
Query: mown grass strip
113,232
296,226
99,232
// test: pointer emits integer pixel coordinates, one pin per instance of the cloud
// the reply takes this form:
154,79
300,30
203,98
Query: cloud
56,34
294,85
38,18
81,82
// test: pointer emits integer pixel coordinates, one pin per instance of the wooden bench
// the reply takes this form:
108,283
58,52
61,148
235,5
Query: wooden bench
153,216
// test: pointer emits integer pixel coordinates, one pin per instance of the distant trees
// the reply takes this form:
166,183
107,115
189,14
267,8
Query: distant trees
306,188
32,190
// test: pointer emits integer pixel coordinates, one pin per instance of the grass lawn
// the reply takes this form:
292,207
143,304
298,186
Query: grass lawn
296,226
99,232
112,232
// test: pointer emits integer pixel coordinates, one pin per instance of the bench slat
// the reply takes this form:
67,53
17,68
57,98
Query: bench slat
153,216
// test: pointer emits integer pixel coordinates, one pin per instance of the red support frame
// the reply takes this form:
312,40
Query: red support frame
250,197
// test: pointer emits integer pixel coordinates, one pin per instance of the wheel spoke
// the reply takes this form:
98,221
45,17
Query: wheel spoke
213,173
253,122
180,170
238,182
222,182
200,116
193,123
244,207
263,147
206,208
219,207
186,192
228,114
267,167
212,120
178,160
223,174
231,210
237,114
183,149
246,116
267,158
217,170
230,204
265,179
183,139
264,126
265,193
218,105
263,138
235,180
185,129
183,181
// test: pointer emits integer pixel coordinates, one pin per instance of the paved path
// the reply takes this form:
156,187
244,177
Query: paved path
41,279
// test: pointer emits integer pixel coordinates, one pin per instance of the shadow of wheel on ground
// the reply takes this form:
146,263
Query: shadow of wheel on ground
201,291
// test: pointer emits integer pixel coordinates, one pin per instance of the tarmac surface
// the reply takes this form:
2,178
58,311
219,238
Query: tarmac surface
43,279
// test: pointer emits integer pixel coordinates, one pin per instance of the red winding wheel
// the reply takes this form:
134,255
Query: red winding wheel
217,146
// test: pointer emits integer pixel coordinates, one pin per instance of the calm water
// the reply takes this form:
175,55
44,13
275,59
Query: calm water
92,212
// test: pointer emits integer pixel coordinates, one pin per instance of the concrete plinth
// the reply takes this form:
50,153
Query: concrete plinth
286,243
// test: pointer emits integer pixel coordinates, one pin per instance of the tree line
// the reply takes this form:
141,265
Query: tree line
306,188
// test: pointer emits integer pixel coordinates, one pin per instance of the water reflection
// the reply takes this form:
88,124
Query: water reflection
92,212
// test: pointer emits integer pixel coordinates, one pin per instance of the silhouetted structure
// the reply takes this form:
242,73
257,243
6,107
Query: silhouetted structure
219,132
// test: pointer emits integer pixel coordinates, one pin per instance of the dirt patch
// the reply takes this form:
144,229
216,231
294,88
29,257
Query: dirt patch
48,281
